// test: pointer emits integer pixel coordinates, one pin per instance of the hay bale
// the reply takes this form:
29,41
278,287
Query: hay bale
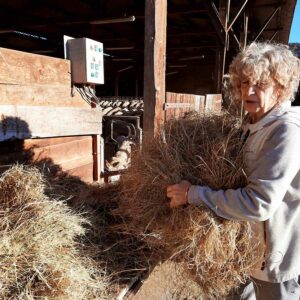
205,150
38,244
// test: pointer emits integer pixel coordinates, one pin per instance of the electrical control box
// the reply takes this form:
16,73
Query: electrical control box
87,65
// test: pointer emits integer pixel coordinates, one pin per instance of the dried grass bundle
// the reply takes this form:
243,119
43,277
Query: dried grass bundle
38,248
122,256
204,150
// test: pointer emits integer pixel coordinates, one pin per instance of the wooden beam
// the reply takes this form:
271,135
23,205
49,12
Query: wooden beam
215,19
69,149
240,9
21,122
18,67
266,23
154,65
217,84
40,95
244,34
96,157
31,79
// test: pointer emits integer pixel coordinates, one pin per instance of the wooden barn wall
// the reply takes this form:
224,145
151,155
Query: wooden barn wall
197,79
35,80
31,79
70,155
177,105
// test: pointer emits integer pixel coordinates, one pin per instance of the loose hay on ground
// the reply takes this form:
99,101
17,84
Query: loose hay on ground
123,256
205,150
38,248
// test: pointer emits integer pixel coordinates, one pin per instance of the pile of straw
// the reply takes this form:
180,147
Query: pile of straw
38,247
204,150
124,257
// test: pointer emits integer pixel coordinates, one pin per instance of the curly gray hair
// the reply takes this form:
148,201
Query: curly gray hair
261,62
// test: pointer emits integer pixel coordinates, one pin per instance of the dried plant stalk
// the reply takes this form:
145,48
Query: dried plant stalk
206,150
38,248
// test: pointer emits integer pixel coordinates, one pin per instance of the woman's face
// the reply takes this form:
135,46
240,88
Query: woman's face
258,98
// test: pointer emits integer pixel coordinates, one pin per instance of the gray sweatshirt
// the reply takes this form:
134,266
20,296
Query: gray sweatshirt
271,199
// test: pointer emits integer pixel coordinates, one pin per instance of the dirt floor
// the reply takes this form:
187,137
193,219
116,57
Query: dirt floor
166,282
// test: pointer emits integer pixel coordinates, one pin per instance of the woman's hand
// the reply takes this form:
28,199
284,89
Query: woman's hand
178,193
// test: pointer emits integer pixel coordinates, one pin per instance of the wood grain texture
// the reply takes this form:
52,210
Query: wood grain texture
213,102
38,121
154,65
196,103
46,142
64,151
31,79
70,155
18,67
84,172
40,95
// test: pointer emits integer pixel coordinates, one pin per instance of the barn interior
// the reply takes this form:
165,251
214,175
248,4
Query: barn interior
196,34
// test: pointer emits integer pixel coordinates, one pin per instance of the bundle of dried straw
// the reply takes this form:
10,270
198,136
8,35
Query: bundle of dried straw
204,150
38,248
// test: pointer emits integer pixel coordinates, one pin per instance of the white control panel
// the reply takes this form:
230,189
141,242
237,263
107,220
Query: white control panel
86,57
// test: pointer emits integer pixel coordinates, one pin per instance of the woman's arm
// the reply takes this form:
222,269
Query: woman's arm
275,169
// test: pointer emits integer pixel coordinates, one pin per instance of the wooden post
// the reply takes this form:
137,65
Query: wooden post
154,66
217,84
96,157
97,151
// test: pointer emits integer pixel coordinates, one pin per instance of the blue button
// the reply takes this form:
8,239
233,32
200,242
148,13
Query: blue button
92,74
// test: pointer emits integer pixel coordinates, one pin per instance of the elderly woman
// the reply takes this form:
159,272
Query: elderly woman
264,77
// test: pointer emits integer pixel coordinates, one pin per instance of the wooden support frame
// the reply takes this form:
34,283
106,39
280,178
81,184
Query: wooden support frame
223,26
244,34
217,87
215,19
240,10
267,23
97,157
154,65
98,150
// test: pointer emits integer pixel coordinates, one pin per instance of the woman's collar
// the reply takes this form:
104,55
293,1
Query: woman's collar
270,117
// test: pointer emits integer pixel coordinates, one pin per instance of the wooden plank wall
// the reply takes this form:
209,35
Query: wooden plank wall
31,79
20,121
192,103
55,155
34,80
